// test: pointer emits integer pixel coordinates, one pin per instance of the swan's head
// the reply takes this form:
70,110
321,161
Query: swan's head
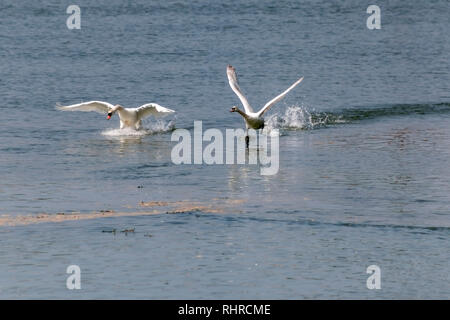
233,109
112,111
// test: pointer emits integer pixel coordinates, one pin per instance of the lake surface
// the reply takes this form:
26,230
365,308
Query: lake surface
364,176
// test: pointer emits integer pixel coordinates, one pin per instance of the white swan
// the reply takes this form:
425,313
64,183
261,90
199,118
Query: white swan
129,117
253,120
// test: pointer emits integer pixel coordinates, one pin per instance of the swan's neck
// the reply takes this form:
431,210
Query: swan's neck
242,113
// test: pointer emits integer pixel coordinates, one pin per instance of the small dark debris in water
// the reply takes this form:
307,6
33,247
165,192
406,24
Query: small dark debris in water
175,212
60,214
106,211
148,235
110,231
140,187
126,231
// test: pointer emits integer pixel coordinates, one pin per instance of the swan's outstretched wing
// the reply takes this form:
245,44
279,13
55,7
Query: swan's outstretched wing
97,106
232,79
278,98
152,109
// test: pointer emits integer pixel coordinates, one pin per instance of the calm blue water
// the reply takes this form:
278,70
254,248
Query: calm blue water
364,147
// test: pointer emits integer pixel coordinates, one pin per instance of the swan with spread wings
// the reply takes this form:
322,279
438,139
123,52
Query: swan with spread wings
253,120
129,117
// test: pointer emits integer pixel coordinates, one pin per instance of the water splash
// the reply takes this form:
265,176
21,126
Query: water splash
296,118
161,126
301,118
158,126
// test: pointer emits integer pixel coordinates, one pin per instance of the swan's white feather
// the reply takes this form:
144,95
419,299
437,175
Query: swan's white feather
97,106
232,80
269,104
152,109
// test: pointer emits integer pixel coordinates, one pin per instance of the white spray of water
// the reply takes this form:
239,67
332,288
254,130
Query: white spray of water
294,118
159,126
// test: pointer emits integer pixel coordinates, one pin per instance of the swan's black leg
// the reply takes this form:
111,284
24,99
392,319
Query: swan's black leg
247,138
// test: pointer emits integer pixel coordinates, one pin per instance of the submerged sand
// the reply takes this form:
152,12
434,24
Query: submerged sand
215,205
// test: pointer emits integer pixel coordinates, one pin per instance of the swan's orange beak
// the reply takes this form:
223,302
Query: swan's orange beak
109,116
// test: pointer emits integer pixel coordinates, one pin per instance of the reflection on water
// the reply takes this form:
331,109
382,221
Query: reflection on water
123,145
240,177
